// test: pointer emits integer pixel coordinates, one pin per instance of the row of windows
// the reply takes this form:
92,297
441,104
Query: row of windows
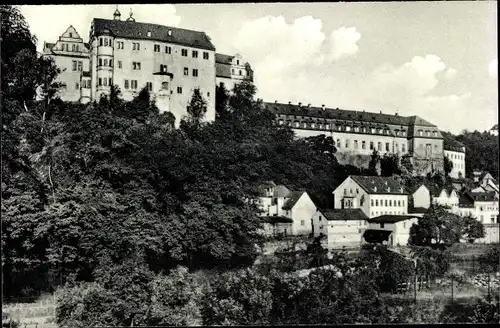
377,213
105,81
104,41
356,145
387,203
106,62
343,128
427,133
66,47
85,85
492,218
137,66
77,65
488,208
233,71
455,156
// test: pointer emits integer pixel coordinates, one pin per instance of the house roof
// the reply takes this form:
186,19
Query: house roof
294,198
223,59
390,218
138,30
468,198
376,236
348,115
379,185
495,127
418,210
277,219
222,70
343,214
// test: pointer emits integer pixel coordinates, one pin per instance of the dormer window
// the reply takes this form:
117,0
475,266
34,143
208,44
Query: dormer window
149,34
375,189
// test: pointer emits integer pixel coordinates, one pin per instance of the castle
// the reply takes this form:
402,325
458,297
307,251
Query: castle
170,62
357,134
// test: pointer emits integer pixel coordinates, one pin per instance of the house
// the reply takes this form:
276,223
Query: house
285,211
494,130
374,195
456,155
484,207
420,197
447,197
341,227
395,228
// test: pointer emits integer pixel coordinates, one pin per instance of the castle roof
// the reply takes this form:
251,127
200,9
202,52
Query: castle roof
379,185
370,118
139,31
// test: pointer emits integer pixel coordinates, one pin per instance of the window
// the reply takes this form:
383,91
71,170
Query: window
184,52
157,48
240,72
205,55
110,81
163,68
385,202
420,132
186,71
126,84
387,146
355,144
195,72
73,47
133,84
136,65
399,203
105,62
77,86
195,54
347,143
149,86
100,81
373,130
164,85
119,45
106,42
338,143
348,128
100,42
371,202
135,46
390,202
168,50
237,62
403,148
382,225
302,222
179,89
70,34
371,145
119,64
363,144
100,62
379,146
74,65
376,202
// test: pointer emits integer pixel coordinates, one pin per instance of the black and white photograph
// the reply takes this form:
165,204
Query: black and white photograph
249,164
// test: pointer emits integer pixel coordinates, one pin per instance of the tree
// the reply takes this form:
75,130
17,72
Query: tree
221,101
472,229
197,105
406,165
374,161
436,227
389,165
448,165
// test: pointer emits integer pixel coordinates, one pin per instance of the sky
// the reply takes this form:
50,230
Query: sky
437,60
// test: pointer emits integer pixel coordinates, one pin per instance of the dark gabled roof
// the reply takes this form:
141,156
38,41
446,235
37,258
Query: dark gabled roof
294,197
391,218
343,214
222,70
277,219
376,236
483,196
415,120
412,189
223,59
418,210
383,185
137,30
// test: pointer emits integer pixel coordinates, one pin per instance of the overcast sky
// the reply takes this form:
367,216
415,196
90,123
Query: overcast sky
437,60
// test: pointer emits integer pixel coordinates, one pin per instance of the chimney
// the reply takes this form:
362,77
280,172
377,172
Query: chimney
300,104
275,101
401,189
323,107
396,114
388,189
289,103
375,189
380,112
308,105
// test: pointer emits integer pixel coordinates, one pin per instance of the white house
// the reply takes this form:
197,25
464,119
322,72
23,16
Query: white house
494,130
396,228
374,195
484,207
285,211
456,155
341,227
447,197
